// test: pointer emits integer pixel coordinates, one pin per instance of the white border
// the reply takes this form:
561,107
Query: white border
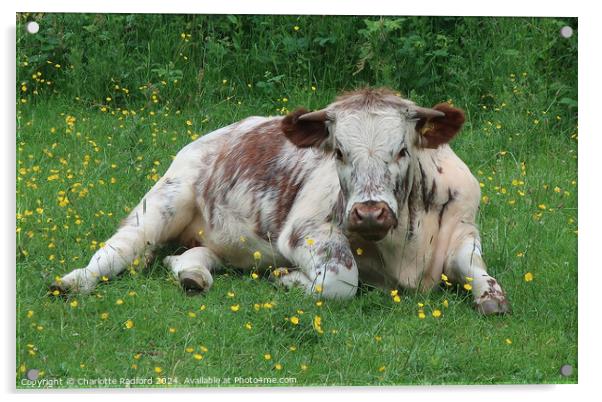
589,168
333,7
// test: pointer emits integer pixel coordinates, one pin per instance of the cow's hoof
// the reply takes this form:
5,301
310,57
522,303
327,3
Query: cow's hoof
56,289
193,281
493,306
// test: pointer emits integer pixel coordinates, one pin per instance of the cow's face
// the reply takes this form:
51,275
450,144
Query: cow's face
372,153
375,146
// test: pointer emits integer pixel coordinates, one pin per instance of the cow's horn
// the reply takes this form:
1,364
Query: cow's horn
318,115
424,112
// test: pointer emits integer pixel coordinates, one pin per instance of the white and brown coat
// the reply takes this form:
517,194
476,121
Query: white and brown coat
366,189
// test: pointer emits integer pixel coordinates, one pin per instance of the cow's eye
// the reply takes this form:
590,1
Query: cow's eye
403,153
338,153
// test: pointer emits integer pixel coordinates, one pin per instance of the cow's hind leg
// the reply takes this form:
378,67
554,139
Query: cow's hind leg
465,266
193,268
161,215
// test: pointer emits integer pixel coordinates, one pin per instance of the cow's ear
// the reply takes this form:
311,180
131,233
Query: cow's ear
439,130
304,133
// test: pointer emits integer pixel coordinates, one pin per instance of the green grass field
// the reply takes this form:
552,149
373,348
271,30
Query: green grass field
87,151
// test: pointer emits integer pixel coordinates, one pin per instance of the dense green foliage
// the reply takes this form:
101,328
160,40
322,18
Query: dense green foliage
184,58
105,101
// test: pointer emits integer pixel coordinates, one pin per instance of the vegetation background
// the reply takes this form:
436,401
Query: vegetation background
104,102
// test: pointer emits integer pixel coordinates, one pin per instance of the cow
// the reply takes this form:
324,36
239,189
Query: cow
366,189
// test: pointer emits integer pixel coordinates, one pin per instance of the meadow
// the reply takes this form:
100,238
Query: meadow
105,101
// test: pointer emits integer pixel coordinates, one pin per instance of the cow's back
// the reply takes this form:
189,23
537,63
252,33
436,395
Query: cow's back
247,177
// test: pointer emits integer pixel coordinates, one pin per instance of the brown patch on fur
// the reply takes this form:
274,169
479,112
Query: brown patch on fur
299,232
440,130
260,230
428,195
413,208
334,252
296,237
495,294
209,194
288,188
256,160
303,133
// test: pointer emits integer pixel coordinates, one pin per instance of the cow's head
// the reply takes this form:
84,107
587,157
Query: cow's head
374,137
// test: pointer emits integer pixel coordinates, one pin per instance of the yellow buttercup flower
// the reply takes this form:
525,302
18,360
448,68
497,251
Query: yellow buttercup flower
317,323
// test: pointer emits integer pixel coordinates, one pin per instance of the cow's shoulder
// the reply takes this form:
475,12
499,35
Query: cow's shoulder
446,177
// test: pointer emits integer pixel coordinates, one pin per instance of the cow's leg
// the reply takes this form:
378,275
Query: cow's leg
466,266
161,215
193,268
325,265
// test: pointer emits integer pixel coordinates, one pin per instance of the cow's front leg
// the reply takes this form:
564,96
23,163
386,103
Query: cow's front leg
465,266
325,265
193,268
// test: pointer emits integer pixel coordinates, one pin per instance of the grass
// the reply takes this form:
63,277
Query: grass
83,162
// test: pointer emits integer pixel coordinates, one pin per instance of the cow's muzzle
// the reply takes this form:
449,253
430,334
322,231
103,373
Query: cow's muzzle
372,220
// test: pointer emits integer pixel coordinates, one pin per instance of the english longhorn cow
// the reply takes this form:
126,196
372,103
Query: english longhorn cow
366,189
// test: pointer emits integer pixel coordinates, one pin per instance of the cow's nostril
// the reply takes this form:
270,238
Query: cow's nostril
380,216
357,215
